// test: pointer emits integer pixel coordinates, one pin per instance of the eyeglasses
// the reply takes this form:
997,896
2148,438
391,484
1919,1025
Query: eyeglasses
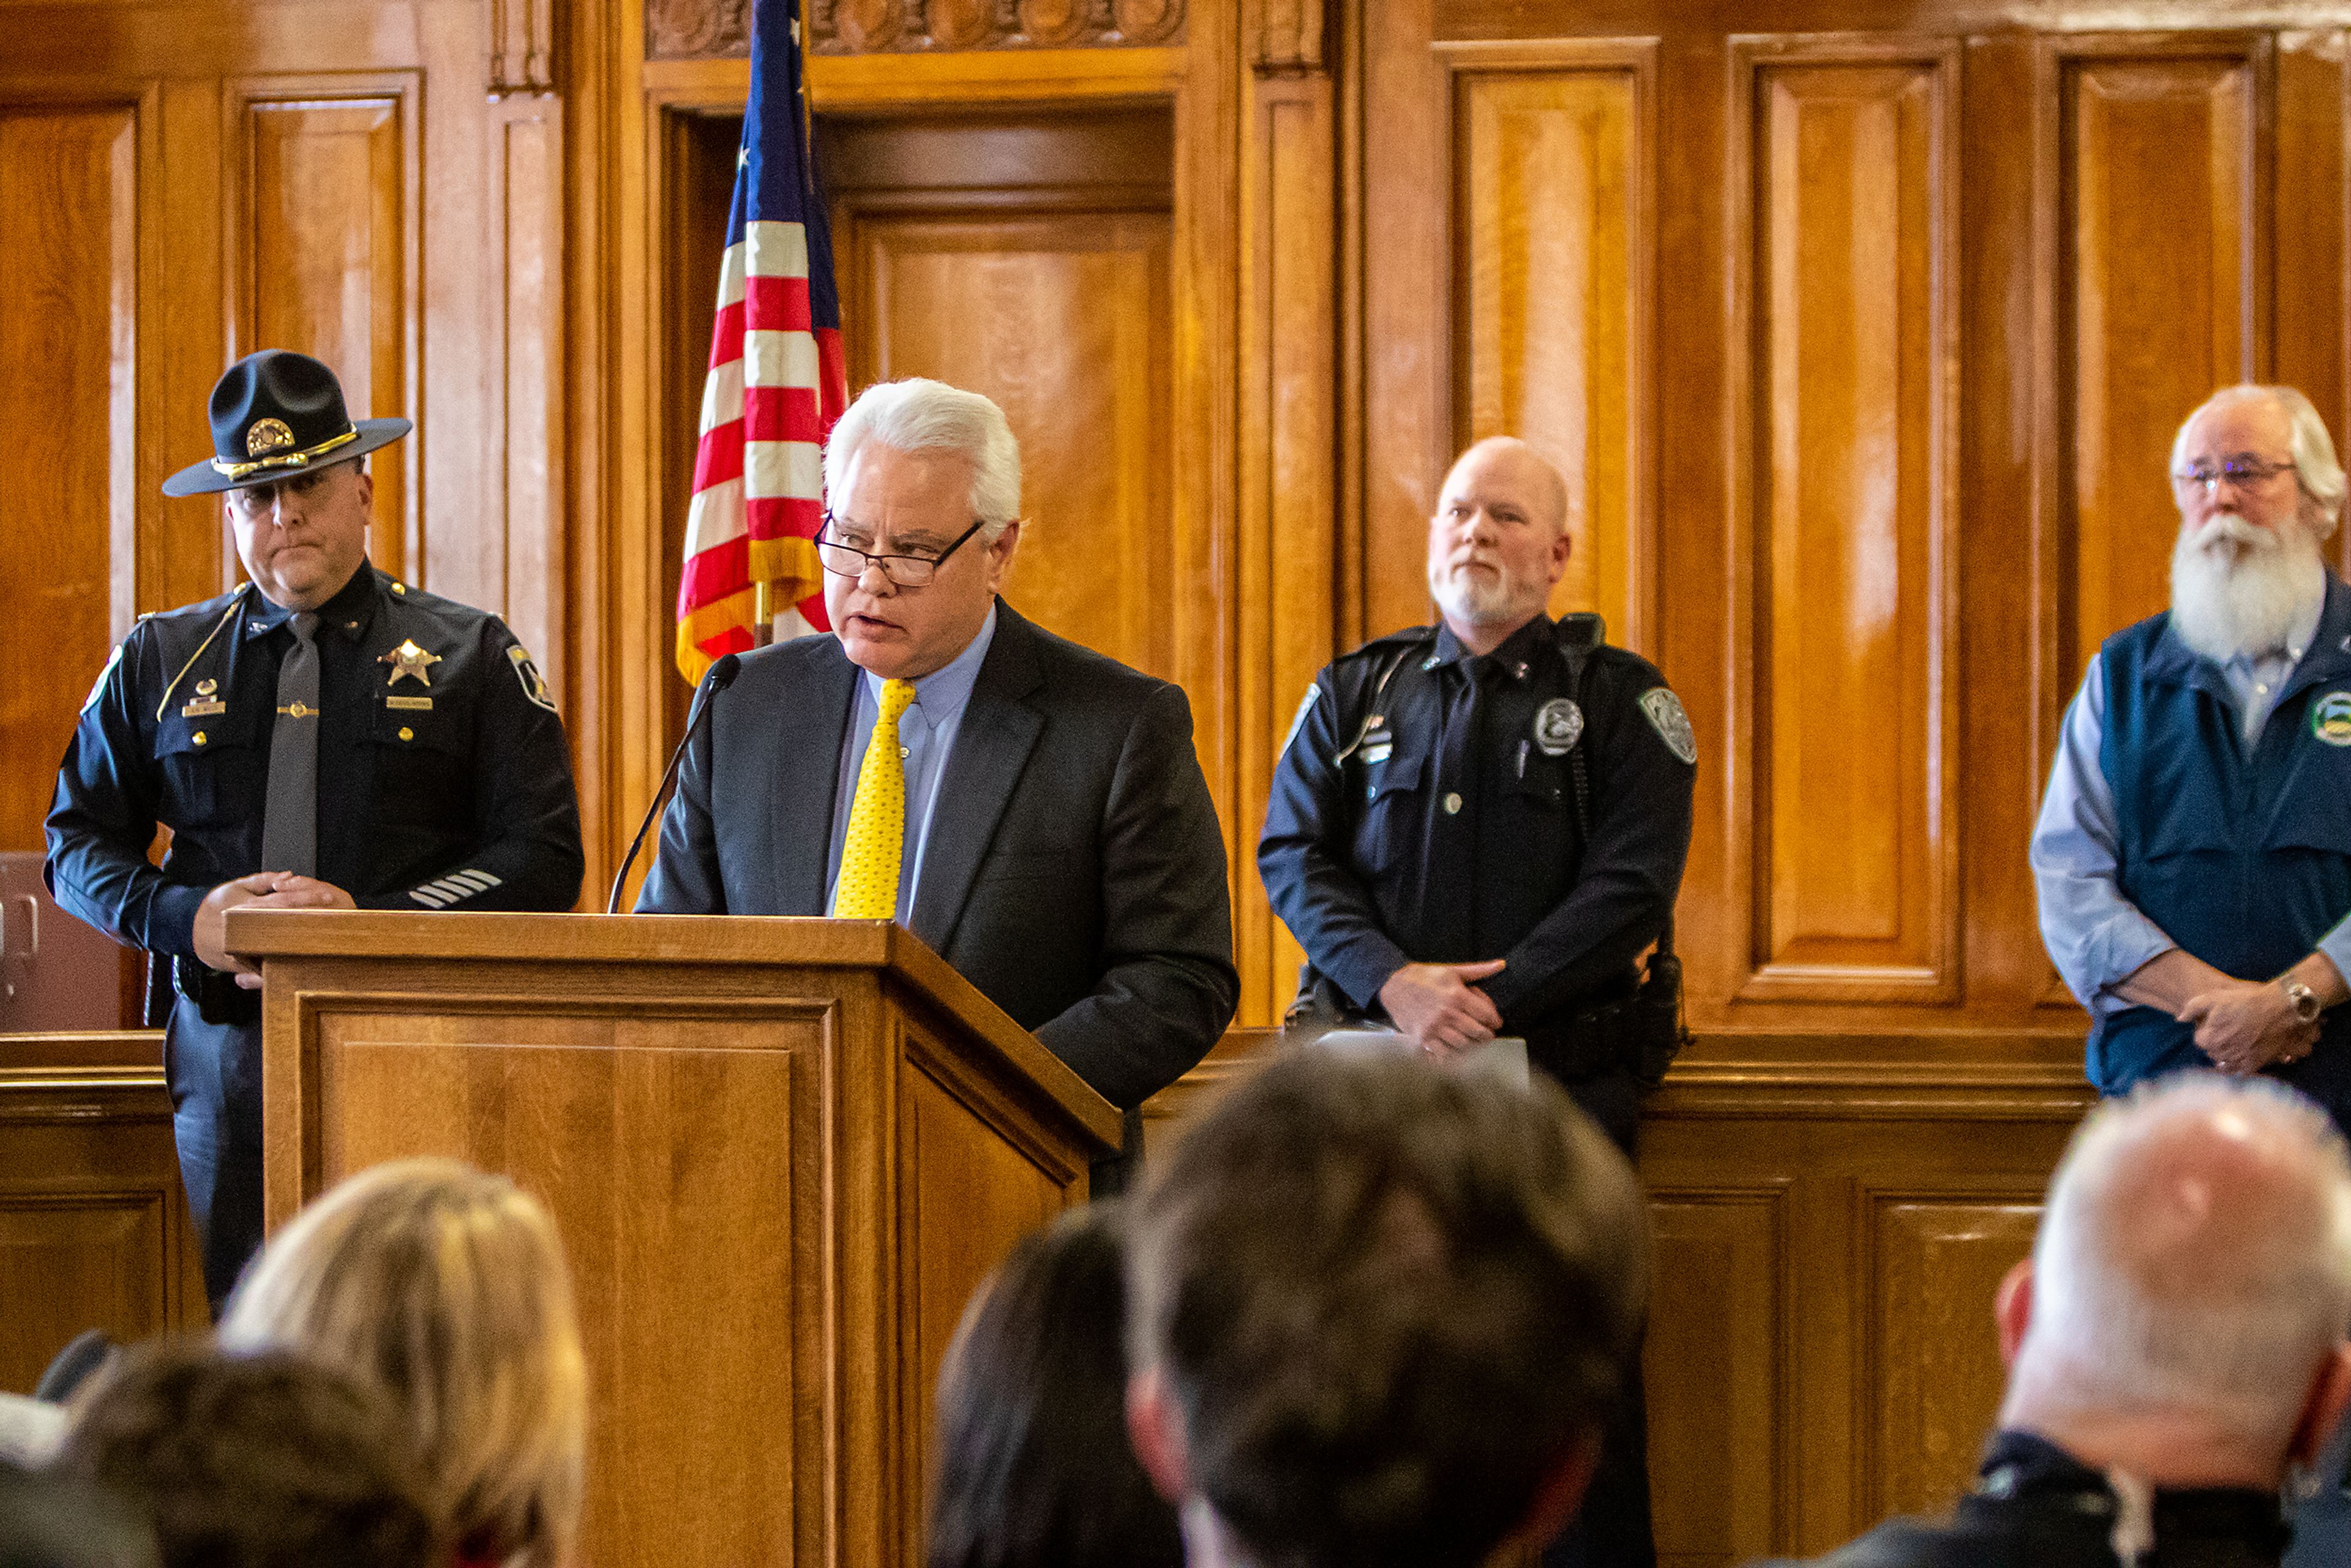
253,500
2242,472
905,570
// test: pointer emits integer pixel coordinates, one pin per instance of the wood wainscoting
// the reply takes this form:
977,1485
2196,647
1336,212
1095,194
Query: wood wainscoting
1829,1234
94,1228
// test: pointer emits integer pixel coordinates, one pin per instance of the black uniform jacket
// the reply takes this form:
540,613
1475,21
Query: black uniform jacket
448,788
2035,1506
1418,826
1074,871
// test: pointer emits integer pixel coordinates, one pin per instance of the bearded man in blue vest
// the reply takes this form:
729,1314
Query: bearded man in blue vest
2193,853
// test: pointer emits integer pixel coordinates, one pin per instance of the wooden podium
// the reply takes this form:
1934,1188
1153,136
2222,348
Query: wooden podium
782,1152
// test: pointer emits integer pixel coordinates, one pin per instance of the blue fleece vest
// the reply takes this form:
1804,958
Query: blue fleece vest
2243,856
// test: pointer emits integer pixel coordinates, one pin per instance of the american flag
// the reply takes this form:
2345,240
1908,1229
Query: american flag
777,381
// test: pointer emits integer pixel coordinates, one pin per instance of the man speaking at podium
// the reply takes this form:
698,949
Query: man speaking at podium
1032,811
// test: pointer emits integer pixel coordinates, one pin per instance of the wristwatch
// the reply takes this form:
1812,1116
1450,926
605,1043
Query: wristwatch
2306,1007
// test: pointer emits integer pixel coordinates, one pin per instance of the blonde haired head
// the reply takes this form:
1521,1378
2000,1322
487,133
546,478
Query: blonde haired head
448,1288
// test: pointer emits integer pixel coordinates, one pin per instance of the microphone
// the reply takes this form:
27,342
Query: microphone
722,675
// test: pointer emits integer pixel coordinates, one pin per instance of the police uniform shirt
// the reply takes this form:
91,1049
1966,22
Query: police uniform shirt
1441,826
2036,1504
444,780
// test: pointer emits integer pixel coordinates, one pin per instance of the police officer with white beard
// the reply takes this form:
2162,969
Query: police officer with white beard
2193,853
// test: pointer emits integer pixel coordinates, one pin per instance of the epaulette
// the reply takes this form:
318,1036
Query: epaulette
229,607
1411,636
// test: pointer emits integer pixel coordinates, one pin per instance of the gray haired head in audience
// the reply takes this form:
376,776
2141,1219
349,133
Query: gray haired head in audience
1381,1312
2192,1277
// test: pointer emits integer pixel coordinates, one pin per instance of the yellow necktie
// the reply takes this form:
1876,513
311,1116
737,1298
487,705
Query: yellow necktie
877,819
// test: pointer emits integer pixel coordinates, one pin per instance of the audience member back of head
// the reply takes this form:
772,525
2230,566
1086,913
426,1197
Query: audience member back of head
1381,1313
253,1461
2175,1342
446,1287
1033,1467
46,1521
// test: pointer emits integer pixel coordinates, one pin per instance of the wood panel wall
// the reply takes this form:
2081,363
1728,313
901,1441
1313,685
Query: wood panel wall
94,1230
1860,329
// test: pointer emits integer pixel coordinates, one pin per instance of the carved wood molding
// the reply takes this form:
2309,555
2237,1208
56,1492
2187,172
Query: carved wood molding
704,29
1289,39
522,46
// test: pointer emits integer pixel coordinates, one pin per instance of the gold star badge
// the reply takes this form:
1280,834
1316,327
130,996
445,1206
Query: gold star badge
408,659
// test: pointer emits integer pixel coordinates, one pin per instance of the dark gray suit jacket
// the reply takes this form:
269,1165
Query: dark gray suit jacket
1074,872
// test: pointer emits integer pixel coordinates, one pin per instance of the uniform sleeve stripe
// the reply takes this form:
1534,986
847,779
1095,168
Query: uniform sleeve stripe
471,881
430,900
450,889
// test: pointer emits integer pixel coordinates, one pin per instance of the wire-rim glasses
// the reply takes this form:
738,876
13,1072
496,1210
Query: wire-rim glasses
2244,473
905,570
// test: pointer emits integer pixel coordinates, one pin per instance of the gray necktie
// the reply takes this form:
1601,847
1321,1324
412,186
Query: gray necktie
289,819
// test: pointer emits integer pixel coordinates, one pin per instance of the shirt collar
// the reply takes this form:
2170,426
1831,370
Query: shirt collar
1516,653
2019,1465
348,613
947,689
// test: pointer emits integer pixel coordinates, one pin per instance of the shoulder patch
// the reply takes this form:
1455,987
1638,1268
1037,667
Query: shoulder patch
534,686
1305,706
98,685
1673,725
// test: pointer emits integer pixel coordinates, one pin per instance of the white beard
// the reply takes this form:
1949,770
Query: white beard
2239,589
1466,597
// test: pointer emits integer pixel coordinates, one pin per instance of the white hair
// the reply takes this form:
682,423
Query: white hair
917,415
2195,1260
2311,448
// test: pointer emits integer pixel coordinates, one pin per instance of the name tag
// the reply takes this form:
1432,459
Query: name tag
205,707
409,705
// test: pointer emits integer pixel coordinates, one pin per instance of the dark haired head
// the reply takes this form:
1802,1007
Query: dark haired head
253,1461
1033,1468
1387,1307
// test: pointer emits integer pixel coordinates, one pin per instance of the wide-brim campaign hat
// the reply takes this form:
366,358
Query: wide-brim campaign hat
277,414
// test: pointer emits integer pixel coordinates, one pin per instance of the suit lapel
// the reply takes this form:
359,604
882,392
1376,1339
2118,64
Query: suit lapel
808,740
992,745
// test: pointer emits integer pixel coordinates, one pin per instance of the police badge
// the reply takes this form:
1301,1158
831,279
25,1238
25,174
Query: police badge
1559,723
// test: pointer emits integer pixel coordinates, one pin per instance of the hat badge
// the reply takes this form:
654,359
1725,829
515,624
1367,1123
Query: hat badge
268,435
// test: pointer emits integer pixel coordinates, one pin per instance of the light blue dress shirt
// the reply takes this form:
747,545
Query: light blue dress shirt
927,734
2096,938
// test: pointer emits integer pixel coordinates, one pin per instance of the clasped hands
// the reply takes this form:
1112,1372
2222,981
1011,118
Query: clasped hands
2245,1025
262,890
1440,1008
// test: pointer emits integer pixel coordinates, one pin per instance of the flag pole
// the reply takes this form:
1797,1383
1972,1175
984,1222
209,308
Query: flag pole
763,614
